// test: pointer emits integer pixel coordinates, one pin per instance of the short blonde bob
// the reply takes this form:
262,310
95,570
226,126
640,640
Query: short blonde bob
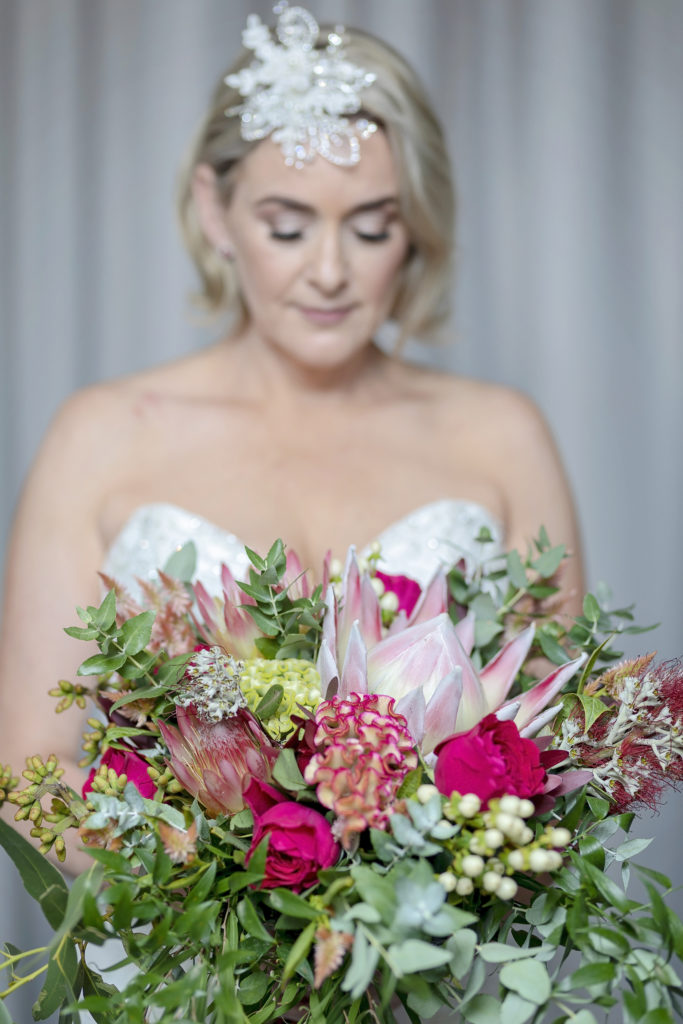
397,101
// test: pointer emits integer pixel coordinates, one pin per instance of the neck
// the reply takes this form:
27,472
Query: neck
268,374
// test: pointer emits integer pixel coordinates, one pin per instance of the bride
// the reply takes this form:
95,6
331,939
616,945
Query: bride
313,225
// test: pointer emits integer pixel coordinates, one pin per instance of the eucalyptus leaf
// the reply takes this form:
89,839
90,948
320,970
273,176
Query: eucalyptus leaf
462,945
100,664
58,988
547,564
364,958
482,1009
529,979
516,570
413,955
182,564
136,632
516,1010
41,879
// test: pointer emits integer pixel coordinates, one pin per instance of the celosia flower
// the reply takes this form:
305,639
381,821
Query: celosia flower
215,762
169,599
364,753
179,844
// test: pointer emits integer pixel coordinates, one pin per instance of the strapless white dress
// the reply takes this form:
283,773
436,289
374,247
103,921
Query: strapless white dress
436,534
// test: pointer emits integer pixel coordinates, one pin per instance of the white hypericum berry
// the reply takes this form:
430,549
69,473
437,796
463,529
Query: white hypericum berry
526,808
509,804
493,838
425,793
377,585
505,820
472,865
478,846
336,569
553,860
491,881
517,860
389,601
507,889
538,860
469,805
525,836
464,886
560,837
447,881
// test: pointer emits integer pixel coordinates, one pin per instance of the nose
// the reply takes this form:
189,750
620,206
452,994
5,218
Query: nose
328,268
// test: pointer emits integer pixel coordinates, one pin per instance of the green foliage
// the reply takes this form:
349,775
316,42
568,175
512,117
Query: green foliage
292,626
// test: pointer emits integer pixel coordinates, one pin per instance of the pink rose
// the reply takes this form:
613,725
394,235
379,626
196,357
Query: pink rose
491,760
300,839
128,763
407,591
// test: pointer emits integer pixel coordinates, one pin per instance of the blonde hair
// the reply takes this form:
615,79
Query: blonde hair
398,103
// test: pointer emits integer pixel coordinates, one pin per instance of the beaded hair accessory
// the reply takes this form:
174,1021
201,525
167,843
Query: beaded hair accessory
300,95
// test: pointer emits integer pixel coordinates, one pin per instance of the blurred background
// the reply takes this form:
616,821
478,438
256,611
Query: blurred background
567,139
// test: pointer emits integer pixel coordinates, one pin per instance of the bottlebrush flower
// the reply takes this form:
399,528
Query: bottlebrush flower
215,762
635,747
364,753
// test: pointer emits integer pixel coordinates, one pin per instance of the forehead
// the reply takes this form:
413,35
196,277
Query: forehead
320,184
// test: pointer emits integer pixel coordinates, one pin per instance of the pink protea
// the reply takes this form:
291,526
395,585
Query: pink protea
215,761
224,621
364,752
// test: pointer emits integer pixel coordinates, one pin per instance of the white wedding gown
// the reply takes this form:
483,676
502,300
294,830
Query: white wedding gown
436,534
417,545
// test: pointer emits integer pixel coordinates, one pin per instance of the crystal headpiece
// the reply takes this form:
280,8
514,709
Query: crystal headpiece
300,95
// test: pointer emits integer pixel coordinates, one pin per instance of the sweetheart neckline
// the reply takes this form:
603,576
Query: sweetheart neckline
144,509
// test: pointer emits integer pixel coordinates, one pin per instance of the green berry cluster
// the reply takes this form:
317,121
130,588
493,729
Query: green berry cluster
299,682
69,694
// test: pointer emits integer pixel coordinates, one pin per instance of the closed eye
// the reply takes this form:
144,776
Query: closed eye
366,237
286,236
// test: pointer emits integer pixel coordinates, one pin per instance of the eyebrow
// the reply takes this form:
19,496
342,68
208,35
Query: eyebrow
294,204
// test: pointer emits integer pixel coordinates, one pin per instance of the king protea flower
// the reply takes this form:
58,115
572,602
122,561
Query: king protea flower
216,761
424,664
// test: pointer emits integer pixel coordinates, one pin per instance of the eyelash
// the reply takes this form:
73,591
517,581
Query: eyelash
295,236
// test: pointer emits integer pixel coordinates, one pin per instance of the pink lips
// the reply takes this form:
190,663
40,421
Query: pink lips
325,317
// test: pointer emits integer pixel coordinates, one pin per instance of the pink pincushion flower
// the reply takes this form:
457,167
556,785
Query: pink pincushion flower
364,752
128,763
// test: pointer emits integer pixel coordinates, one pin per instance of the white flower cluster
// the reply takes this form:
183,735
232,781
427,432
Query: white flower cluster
212,685
500,844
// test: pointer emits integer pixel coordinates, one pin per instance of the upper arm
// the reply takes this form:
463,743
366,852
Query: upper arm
52,558
536,489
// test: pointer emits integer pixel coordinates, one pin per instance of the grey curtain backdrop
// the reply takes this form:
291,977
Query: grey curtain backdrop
565,125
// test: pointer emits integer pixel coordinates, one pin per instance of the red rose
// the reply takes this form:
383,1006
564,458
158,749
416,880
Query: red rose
300,839
491,760
128,763
407,591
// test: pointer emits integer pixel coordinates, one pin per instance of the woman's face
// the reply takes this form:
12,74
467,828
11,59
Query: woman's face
317,250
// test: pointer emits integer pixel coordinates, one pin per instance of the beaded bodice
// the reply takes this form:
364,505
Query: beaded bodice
436,534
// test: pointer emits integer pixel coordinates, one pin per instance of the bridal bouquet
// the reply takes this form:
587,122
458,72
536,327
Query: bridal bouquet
357,801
